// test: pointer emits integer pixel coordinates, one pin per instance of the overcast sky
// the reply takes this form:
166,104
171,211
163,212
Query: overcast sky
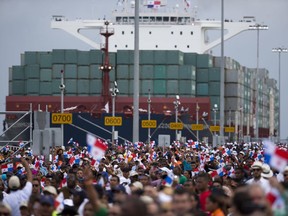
25,26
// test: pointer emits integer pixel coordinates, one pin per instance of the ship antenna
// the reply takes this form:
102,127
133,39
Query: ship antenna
106,67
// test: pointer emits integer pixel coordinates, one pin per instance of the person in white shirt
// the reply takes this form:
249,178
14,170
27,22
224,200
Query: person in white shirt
17,195
257,178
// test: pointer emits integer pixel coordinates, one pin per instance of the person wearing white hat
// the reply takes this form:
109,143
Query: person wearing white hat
257,168
17,195
266,171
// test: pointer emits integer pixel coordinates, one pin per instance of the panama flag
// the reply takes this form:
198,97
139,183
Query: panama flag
96,147
274,156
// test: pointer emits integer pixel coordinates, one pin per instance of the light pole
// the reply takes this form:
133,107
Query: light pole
114,91
279,50
62,89
176,104
241,123
257,27
197,119
215,109
229,121
149,115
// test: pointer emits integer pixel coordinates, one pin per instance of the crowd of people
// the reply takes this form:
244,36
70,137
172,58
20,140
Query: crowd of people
183,179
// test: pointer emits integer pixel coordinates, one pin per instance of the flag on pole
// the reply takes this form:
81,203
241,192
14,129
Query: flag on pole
96,147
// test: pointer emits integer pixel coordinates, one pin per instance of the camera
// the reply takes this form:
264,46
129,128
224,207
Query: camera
61,86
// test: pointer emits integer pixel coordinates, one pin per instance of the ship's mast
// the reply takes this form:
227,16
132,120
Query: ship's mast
106,67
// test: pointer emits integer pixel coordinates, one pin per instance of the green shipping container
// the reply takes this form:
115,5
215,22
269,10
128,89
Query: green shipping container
95,72
172,71
56,70
83,58
214,100
112,75
122,72
71,56
146,72
83,86
83,72
58,56
187,87
145,85
214,88
70,71
172,87
187,72
123,87
202,75
45,75
112,59
204,61
131,71
159,87
202,89
175,57
95,57
30,58
18,72
125,57
32,71
146,57
45,88
159,72
45,59
190,59
131,88
32,86
214,74
18,87
95,87
160,57
71,86
55,87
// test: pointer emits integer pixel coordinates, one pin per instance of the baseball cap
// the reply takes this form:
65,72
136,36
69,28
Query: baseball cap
47,199
14,182
51,190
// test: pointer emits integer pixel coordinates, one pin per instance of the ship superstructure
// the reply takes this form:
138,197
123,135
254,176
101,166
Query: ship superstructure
160,28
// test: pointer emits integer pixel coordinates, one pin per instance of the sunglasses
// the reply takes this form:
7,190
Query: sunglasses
35,185
258,170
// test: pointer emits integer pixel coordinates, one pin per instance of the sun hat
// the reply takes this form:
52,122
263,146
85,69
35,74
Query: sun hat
266,171
257,165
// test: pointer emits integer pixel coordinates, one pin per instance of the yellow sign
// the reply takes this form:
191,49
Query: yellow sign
61,118
113,121
229,129
176,126
197,127
215,128
149,123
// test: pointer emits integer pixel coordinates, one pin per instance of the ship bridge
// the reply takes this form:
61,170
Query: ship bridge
157,32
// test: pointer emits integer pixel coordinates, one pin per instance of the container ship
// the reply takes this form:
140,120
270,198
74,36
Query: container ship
173,61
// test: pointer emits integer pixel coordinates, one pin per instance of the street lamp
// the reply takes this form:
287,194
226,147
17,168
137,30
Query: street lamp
62,89
149,114
215,109
176,104
279,50
257,27
197,119
241,123
114,91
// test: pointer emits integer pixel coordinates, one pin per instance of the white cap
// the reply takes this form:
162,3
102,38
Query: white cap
14,182
50,189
